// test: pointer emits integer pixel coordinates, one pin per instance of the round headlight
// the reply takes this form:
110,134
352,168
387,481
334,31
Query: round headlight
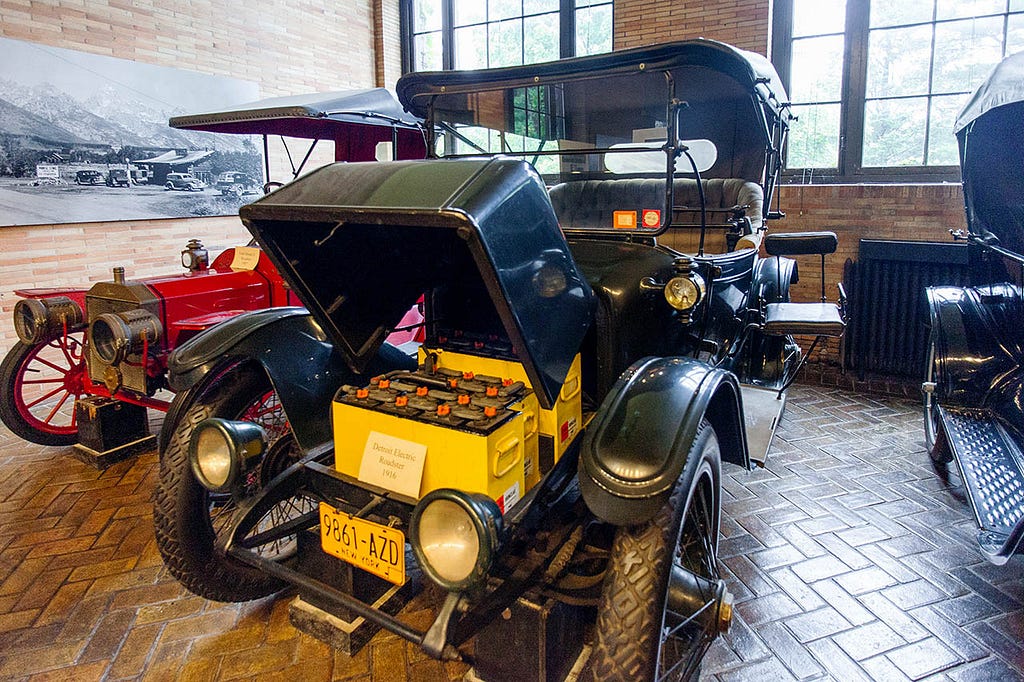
117,335
454,536
38,320
221,450
683,293
213,458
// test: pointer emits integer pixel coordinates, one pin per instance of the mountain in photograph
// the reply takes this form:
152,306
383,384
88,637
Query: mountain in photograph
36,131
112,117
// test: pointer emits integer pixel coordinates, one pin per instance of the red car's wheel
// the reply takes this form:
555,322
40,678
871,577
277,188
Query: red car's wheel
40,384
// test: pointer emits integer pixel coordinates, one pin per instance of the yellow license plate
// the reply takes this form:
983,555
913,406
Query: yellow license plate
370,546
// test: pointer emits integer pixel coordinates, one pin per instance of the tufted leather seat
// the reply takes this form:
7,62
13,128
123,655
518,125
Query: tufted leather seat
591,203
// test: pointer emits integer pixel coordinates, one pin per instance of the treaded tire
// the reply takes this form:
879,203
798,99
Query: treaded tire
633,601
181,510
15,363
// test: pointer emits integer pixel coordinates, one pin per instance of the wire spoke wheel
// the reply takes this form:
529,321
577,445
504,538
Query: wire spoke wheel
191,522
664,601
694,597
40,385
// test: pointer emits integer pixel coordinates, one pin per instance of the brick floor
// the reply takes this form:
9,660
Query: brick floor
848,557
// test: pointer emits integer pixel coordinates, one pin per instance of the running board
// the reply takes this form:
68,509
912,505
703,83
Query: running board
762,410
992,468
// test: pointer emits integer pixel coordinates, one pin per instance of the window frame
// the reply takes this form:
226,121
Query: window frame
853,90
566,30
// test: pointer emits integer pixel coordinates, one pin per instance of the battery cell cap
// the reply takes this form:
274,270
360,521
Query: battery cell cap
443,410
401,401
492,391
463,399
362,393
421,390
490,411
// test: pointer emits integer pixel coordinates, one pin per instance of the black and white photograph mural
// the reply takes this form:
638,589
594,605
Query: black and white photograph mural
84,138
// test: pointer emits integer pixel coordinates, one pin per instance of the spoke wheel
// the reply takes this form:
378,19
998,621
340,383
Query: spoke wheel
191,522
664,601
40,384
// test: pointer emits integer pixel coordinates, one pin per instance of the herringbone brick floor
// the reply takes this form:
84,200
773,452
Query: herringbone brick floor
849,559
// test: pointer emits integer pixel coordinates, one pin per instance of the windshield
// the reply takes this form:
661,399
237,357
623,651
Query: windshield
600,142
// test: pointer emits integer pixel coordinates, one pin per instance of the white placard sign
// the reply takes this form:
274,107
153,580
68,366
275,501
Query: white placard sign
393,463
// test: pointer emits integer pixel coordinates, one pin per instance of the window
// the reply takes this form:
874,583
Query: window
877,85
479,34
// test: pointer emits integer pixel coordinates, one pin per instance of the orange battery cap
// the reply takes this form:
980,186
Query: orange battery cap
384,383
464,399
492,391
401,401
421,390
452,383
375,380
468,375
442,339
490,411
507,382
478,345
362,393
443,410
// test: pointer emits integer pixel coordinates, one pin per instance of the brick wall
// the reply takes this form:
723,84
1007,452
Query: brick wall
288,47
743,23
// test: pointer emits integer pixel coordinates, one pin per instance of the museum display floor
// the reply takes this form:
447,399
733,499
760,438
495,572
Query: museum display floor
848,557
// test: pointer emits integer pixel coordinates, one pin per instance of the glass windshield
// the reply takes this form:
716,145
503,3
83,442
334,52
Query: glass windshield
599,143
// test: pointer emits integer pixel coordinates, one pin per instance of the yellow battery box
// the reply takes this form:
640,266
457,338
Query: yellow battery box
558,427
416,431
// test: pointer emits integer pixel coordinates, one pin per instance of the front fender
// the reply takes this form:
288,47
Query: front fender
772,277
302,365
637,445
977,342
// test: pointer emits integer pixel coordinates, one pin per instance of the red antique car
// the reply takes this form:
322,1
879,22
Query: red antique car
113,339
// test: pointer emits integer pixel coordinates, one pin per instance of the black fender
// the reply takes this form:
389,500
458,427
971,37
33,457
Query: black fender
302,365
977,343
771,280
765,357
636,447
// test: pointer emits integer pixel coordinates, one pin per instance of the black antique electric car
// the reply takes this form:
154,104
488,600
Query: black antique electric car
973,380
600,335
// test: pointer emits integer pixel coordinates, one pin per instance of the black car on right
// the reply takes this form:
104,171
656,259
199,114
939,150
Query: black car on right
974,384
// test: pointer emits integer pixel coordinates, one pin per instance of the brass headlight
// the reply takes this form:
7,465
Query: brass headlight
684,291
455,536
221,451
115,336
41,319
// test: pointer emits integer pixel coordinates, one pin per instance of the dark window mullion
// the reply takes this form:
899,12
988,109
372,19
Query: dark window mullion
566,28
447,35
851,122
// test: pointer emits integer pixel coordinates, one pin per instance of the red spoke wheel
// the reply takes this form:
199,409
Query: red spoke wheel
40,384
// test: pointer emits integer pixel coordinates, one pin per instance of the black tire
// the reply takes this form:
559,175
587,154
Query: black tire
45,415
188,518
629,642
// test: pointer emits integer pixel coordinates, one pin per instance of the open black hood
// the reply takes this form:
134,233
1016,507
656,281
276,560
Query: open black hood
990,134
361,242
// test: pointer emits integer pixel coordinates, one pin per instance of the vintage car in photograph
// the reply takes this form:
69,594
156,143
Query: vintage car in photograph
973,387
114,338
601,334
185,182
118,177
88,177
236,183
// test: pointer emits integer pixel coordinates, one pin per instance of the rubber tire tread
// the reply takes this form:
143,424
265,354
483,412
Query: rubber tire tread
9,414
629,617
181,522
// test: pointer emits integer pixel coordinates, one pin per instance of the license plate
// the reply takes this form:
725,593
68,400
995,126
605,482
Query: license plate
370,546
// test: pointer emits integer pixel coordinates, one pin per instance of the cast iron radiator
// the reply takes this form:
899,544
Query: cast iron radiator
888,329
